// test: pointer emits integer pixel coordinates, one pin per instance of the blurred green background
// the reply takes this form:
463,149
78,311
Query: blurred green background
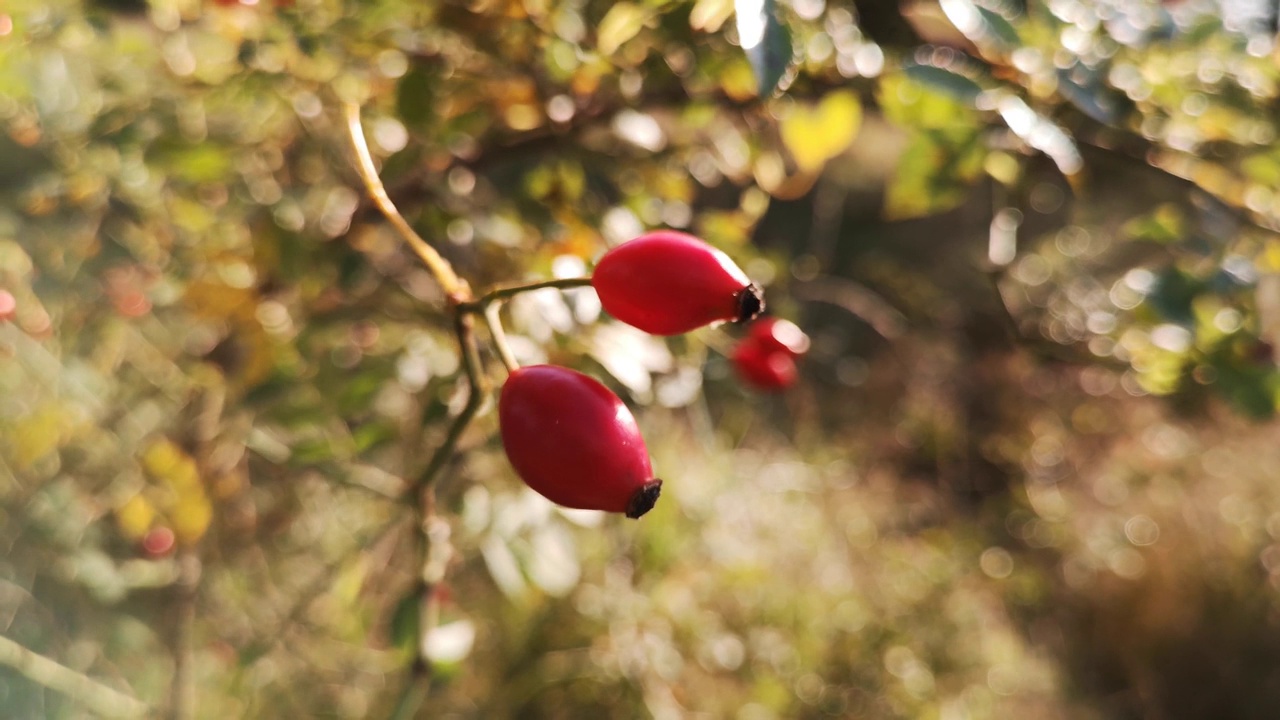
1030,469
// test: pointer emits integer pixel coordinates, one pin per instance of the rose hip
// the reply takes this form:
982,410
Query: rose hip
668,282
573,440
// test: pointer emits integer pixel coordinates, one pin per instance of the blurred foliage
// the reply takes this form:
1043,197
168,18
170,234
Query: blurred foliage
1031,470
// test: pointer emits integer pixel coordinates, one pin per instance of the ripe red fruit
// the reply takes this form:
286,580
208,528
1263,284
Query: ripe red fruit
779,335
668,282
574,441
8,305
762,368
158,541
766,357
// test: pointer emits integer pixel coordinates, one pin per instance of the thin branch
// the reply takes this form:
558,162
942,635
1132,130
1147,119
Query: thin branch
505,292
499,148
858,300
1042,348
434,549
478,387
182,689
500,337
90,693
454,287
1137,150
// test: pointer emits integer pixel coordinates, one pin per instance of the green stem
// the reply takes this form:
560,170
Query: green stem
433,548
478,387
102,700
506,292
500,337
182,691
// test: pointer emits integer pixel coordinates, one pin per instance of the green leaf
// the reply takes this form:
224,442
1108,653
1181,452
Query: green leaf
1084,88
1173,294
415,97
1263,168
1166,224
913,105
405,633
999,28
623,21
981,26
933,175
954,84
314,451
203,163
373,435
766,41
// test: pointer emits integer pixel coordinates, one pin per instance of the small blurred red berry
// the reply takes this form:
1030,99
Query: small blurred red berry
8,305
780,335
132,304
766,358
763,369
158,542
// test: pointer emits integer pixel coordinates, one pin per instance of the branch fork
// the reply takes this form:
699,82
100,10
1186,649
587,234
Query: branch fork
434,549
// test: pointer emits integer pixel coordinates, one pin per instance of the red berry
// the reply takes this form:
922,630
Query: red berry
780,335
8,305
574,441
763,368
668,282
158,541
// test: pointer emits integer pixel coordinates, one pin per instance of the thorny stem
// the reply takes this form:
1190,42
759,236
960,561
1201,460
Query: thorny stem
93,695
454,287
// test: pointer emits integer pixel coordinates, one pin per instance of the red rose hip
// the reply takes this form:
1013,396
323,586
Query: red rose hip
668,282
777,334
766,358
573,440
764,369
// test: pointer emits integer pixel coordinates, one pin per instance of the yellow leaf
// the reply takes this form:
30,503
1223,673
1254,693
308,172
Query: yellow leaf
191,516
186,503
37,436
815,135
164,460
1270,259
709,15
134,518
738,81
218,301
619,25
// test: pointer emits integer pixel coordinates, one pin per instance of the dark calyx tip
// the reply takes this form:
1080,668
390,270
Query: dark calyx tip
644,499
750,303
